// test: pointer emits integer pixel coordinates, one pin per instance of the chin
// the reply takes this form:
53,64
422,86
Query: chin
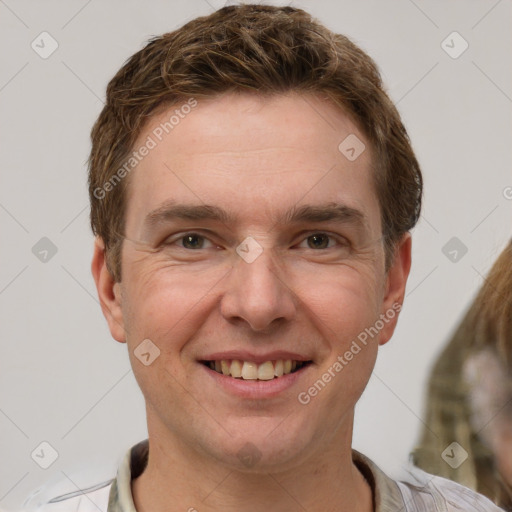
258,449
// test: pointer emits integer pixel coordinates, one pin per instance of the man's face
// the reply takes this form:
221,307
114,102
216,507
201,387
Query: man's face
301,288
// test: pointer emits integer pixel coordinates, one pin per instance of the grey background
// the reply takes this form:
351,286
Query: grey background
63,379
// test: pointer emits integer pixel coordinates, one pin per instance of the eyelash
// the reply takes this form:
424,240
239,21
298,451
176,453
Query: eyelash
342,241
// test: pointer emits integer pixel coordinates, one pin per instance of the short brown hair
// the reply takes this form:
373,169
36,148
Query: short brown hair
257,49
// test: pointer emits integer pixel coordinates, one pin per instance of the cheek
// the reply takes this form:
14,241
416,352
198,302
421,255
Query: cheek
344,308
161,297
341,295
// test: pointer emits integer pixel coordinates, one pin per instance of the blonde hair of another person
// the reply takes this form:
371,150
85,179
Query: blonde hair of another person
469,398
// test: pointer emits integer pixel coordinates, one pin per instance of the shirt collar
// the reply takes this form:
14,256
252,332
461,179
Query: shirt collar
386,494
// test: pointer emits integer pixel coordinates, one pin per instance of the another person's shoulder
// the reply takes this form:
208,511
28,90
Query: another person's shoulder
92,499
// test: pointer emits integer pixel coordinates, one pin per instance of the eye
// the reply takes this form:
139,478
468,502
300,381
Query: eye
192,241
318,241
322,241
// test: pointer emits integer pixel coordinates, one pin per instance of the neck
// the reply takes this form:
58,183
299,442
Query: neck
327,481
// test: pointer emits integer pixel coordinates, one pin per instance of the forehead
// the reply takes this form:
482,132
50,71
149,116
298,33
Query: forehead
238,122
252,153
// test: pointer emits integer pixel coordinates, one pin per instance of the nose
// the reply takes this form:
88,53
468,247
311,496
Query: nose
257,293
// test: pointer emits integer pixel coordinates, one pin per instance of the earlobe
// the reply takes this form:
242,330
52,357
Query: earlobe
395,287
109,292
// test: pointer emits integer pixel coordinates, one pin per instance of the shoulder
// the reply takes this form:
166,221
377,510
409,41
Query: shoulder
443,494
91,499
420,491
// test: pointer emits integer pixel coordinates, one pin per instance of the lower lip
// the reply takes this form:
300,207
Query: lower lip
256,389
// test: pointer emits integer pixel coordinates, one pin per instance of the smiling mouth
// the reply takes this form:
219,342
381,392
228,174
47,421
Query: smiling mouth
248,370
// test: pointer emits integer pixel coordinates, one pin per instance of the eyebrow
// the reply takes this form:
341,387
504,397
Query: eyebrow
172,210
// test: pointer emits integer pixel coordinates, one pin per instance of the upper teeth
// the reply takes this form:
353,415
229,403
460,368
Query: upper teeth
251,371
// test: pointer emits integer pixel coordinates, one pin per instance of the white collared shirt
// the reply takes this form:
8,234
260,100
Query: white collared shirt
424,493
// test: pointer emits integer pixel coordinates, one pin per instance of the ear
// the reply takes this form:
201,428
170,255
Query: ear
109,292
394,290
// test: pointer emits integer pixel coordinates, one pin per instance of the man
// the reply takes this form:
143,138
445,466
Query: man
252,191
